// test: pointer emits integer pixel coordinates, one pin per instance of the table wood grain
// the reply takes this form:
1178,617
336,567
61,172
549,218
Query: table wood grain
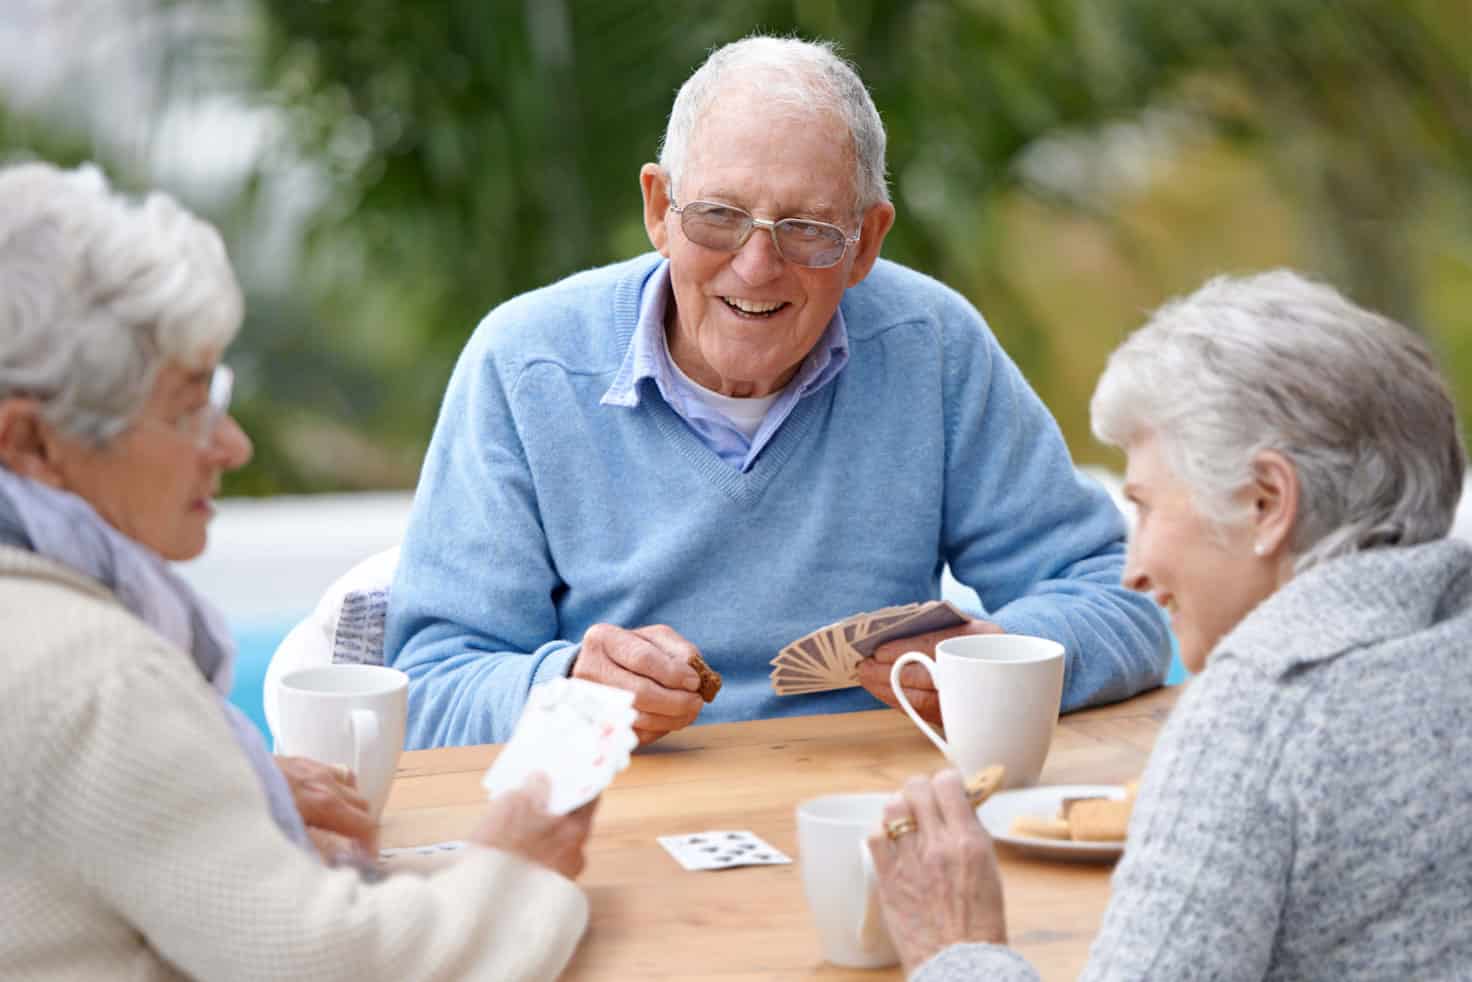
653,920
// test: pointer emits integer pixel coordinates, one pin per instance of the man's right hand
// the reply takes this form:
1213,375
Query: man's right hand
651,662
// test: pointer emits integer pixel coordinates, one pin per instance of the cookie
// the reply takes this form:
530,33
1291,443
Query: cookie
1065,810
1038,827
979,786
710,679
1100,821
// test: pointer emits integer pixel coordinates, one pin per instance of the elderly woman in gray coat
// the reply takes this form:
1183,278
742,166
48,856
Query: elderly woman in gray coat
1295,463
149,834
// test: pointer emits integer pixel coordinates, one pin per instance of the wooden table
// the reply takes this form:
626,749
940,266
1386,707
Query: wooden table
653,920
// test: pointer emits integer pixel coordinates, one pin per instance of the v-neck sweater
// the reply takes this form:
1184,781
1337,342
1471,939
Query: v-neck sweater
541,511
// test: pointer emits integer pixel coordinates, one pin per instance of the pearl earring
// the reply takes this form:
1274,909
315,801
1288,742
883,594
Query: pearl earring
1259,549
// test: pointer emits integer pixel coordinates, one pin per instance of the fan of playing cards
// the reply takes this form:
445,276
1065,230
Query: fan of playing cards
829,657
578,733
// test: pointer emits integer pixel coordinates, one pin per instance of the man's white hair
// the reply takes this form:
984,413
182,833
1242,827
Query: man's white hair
795,76
1276,362
97,292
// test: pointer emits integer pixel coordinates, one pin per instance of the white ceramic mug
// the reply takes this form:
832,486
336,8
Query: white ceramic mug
346,714
999,696
831,834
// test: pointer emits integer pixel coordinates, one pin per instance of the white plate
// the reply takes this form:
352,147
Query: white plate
999,810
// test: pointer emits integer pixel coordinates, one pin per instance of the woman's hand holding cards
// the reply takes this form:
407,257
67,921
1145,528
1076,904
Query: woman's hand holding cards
651,662
873,673
519,822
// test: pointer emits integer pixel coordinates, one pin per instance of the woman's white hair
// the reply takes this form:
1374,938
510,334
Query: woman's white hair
798,76
1275,362
97,292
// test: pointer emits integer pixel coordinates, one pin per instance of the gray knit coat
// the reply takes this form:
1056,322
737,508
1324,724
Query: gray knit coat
1307,812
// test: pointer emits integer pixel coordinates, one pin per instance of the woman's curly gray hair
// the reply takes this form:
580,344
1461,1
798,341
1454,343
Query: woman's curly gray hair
1277,362
97,292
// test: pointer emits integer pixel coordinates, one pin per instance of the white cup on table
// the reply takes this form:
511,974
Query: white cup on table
999,696
831,844
352,715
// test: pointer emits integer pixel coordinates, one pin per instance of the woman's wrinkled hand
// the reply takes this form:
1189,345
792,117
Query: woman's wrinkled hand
938,884
518,822
338,819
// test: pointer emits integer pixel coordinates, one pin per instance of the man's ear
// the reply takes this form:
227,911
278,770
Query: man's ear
1275,495
655,185
878,220
25,445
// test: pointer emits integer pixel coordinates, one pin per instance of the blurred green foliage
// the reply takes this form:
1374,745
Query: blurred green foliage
1067,164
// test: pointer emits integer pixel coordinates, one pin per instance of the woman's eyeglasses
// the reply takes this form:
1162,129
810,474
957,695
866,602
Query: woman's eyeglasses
199,425
801,241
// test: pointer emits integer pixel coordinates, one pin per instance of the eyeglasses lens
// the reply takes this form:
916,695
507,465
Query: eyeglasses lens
813,244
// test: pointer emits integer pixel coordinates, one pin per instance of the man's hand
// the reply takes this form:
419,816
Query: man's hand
518,822
919,687
651,662
938,884
336,816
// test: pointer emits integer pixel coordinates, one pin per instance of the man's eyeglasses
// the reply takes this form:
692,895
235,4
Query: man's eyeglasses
801,241
199,425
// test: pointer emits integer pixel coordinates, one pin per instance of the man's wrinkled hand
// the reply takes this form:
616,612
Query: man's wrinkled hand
326,796
917,683
651,662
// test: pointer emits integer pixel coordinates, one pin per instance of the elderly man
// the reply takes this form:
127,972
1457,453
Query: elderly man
755,431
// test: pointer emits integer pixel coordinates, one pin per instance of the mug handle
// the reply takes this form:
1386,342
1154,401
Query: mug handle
366,735
899,694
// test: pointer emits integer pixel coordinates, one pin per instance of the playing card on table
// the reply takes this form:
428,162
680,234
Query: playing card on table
419,859
721,849
576,732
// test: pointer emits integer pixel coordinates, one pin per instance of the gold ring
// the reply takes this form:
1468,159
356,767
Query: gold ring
899,827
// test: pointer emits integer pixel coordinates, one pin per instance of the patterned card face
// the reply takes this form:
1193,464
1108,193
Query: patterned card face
829,657
576,732
721,849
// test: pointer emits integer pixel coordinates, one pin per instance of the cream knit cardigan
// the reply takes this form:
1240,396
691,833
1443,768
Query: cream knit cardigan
137,843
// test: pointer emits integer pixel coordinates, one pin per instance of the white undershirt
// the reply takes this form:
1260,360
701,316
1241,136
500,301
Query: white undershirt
744,414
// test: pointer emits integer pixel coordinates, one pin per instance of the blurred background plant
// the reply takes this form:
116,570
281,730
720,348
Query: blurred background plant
385,172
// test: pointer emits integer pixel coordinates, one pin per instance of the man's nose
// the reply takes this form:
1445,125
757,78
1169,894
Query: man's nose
758,261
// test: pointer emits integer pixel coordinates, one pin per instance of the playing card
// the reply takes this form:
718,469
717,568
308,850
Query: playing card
829,657
934,616
721,849
418,859
576,732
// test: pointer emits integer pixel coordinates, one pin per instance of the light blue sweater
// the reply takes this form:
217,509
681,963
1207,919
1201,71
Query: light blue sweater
541,512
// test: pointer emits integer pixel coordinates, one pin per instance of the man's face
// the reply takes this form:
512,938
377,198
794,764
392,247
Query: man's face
743,321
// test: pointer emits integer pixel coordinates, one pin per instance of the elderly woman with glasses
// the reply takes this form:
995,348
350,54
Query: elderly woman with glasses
150,835
1295,463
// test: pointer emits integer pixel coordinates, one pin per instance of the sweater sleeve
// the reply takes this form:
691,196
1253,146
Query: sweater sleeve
473,650
1042,545
141,795
973,962
1205,875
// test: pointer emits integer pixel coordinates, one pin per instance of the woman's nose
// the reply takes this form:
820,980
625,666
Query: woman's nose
230,445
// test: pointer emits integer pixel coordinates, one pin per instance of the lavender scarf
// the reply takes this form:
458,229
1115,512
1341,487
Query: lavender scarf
63,528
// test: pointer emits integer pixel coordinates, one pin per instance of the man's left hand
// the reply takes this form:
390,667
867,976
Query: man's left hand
917,683
338,819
